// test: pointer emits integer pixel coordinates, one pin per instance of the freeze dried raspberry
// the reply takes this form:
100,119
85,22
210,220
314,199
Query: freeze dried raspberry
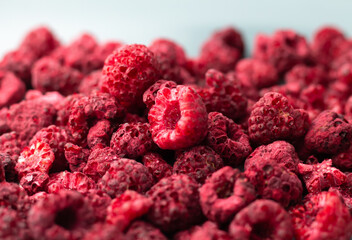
99,201
125,174
72,181
49,75
8,164
178,119
65,215
209,231
157,166
227,139
103,231
284,49
222,50
198,163
223,95
36,157
329,133
313,95
54,98
273,118
320,176
132,140
224,194
321,216
28,117
306,75
150,94
140,230
99,134
262,219
11,195
133,118
343,160
175,203
34,182
4,127
12,226
128,72
64,109
125,208
12,89
11,144
275,182
76,156
90,83
280,153
348,110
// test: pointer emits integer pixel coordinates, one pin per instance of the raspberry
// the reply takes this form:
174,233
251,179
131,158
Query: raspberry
140,230
197,162
11,195
343,160
4,127
90,83
329,133
99,201
64,109
72,181
125,174
99,134
321,216
34,182
49,75
103,231
150,94
125,208
128,72
178,119
262,219
276,183
104,50
12,226
227,139
209,231
76,156
280,153
175,203
273,118
132,140
306,75
224,194
54,98
11,145
157,166
12,89
320,176
36,157
65,215
8,166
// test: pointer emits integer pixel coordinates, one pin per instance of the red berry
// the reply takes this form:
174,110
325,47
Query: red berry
34,182
11,195
12,226
150,94
11,145
157,166
99,201
103,231
12,89
64,108
8,171
99,134
140,230
4,127
76,156
343,160
90,83
209,231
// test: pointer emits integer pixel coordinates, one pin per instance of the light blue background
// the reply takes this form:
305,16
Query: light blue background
187,22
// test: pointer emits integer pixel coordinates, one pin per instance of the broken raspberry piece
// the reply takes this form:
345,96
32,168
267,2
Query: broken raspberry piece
34,182
99,134
76,156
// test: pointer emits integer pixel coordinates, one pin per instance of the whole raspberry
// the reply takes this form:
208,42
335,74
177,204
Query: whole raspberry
321,216
125,208
8,165
49,75
65,215
197,162
306,75
343,160
103,231
54,98
276,183
132,140
99,134
34,182
99,201
128,72
12,226
273,118
279,153
227,139
125,174
329,133
178,119
320,176
12,89
209,231
224,194
64,109
262,219
175,203
76,156
157,166
140,230
4,127
72,181
150,94
11,145
90,83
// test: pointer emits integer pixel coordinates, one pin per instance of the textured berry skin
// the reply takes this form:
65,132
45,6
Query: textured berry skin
12,89
128,72
227,139
224,194
273,118
306,75
279,152
209,231
99,134
140,230
34,182
178,119
12,226
65,215
132,140
11,145
343,160
8,168
175,203
4,127
157,166
76,156
90,83
150,94
321,176
345,191
276,183
11,195
125,208
262,219
99,201
54,98
125,174
322,216
197,162
103,231
64,108
329,133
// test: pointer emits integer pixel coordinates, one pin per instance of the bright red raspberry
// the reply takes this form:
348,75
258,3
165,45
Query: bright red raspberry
65,215
125,208
227,139
273,118
128,72
320,176
4,127
343,160
224,194
76,156
197,162
8,166
140,230
11,145
125,174
262,219
12,226
99,134
90,83
34,182
103,231
157,166
175,203
72,181
12,89
321,216
64,109
178,119
150,94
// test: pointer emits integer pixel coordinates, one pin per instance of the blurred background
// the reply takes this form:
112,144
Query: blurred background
188,22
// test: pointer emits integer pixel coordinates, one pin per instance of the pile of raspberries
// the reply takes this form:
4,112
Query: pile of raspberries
126,141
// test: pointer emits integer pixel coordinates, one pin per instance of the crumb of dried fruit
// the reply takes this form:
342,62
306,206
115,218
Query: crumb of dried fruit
12,89
72,181
140,230
150,94
76,156
99,134
90,83
157,166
